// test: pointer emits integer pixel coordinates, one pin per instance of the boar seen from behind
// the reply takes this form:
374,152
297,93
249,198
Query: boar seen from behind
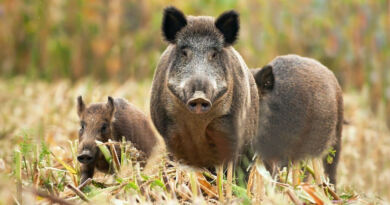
301,111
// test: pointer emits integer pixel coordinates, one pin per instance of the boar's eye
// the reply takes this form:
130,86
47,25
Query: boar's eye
184,51
213,55
104,127
82,124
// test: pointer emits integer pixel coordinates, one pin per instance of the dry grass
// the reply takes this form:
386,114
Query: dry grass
39,124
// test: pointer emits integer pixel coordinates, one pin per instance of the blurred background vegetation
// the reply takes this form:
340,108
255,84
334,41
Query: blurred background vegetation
118,40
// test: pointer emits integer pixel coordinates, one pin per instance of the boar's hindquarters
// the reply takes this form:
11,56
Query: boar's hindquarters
134,125
331,168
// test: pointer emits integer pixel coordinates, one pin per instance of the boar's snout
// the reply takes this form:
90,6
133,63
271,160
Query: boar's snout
85,157
199,103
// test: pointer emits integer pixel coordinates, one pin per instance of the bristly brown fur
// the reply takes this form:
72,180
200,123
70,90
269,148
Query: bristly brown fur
124,120
301,114
216,136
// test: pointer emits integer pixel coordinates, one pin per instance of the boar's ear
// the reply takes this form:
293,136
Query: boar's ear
110,105
228,24
80,105
173,21
265,79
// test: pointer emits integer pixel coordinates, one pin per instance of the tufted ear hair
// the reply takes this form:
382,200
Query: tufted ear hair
110,105
228,24
173,21
80,105
265,79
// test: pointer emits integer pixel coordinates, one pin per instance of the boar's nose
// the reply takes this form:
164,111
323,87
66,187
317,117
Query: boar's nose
198,103
85,157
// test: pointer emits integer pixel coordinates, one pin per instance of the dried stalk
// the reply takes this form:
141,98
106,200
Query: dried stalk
194,184
220,182
18,174
206,186
85,183
229,181
116,163
293,198
331,192
78,192
51,198
259,187
317,171
296,169
250,181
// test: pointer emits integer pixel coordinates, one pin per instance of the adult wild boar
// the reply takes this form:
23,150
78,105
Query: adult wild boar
301,111
204,100
111,120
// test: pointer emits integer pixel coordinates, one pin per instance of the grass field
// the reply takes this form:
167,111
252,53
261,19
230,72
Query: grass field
38,136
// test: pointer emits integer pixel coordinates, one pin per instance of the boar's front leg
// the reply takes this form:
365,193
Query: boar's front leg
87,171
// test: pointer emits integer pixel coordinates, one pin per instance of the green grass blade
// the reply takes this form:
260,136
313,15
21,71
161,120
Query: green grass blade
106,152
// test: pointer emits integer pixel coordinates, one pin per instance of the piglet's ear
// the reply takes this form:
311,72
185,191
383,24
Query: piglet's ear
265,79
110,105
228,24
80,105
173,21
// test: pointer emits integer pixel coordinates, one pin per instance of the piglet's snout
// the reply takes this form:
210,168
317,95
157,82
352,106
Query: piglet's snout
85,157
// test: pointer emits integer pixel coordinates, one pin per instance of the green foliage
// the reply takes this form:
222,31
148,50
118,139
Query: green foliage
331,155
26,145
44,152
157,183
106,152
132,185
241,193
